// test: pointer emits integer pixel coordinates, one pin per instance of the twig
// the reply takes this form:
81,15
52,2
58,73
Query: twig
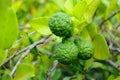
52,68
28,49
114,49
118,11
15,54
24,49
117,26
18,62
112,39
115,31
24,27
113,64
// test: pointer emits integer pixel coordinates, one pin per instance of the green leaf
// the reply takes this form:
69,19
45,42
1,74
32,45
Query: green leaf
4,4
6,77
24,71
3,56
81,25
84,33
8,25
41,74
17,5
66,78
68,6
56,74
79,9
41,25
101,48
118,78
88,63
91,10
118,60
88,1
92,30
111,77
60,3
98,65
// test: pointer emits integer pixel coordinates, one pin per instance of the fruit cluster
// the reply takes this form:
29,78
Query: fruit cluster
72,47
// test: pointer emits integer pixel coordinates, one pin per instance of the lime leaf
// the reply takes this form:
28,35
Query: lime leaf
88,1
4,4
92,30
41,25
97,65
111,77
88,63
17,5
81,7
6,77
118,78
81,25
60,3
24,71
100,47
3,56
91,10
8,25
56,74
84,33
68,6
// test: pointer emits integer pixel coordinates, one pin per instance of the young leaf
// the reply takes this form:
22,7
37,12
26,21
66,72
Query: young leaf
91,10
24,71
56,74
79,9
88,63
3,56
118,78
100,47
60,3
88,1
8,25
81,25
97,65
4,4
68,6
92,30
85,34
41,25
6,77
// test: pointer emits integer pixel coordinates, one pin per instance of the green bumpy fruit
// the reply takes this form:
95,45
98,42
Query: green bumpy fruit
61,24
66,52
85,47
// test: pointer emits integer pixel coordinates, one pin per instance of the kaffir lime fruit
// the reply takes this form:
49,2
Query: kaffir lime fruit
66,52
85,48
61,24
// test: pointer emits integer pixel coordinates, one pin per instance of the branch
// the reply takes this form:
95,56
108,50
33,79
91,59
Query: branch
18,62
52,68
113,64
24,49
114,49
15,54
27,49
118,11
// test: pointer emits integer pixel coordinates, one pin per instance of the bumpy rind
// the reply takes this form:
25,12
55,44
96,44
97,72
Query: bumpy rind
61,24
66,52
85,47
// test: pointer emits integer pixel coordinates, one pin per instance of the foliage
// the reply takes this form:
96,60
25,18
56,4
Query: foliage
24,23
